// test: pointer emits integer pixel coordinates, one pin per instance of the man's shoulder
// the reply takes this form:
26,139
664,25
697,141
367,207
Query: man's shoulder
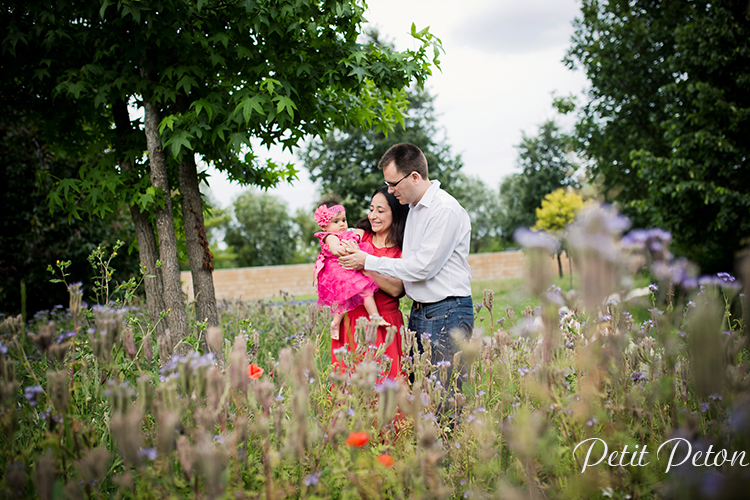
447,200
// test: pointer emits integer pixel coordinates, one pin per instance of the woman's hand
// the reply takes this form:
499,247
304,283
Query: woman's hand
349,247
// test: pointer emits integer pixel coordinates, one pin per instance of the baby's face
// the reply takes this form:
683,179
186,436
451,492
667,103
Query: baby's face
337,224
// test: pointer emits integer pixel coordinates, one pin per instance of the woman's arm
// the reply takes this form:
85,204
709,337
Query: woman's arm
392,286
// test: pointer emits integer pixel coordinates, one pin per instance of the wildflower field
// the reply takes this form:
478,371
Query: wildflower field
605,391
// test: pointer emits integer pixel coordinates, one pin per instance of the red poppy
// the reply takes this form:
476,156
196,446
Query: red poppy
358,439
386,460
254,371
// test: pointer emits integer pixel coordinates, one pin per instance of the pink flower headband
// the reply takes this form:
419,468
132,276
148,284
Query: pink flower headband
323,214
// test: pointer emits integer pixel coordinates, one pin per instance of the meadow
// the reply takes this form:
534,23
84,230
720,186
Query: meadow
631,384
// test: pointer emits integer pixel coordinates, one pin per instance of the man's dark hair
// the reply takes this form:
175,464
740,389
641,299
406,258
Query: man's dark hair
407,157
398,211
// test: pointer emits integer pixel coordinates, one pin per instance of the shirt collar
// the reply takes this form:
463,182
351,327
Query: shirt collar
428,195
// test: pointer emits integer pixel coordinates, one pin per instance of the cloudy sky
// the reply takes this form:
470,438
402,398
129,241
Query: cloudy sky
502,63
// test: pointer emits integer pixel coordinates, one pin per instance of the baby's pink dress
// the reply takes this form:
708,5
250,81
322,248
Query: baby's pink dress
340,288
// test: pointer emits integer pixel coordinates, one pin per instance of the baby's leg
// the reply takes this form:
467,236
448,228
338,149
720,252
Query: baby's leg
335,324
372,310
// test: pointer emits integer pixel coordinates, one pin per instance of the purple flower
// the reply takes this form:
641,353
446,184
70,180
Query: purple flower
703,407
149,453
31,394
523,370
312,479
592,421
3,349
388,384
681,333
726,277
712,484
653,288
637,376
536,239
715,397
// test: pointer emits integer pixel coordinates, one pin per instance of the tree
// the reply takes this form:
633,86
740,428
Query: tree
345,161
559,208
483,207
546,164
31,237
666,117
305,227
261,232
209,76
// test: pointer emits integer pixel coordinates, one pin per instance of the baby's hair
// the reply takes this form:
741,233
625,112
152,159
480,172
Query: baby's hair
329,200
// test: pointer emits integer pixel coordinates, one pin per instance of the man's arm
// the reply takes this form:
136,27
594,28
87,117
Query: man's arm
428,259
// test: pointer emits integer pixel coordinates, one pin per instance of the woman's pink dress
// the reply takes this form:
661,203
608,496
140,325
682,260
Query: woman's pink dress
342,289
388,309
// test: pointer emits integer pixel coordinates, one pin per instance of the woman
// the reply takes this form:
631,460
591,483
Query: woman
383,228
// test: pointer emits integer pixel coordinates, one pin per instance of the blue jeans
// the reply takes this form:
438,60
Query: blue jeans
438,320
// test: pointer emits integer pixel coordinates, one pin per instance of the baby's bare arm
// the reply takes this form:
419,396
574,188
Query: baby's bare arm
335,244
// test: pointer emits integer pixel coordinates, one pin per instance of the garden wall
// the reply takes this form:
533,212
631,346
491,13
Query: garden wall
267,281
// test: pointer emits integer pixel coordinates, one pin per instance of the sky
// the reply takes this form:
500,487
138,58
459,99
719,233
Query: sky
501,66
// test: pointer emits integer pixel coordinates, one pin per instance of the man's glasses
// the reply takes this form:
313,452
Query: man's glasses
394,184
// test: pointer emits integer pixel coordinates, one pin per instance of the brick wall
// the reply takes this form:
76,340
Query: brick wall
266,282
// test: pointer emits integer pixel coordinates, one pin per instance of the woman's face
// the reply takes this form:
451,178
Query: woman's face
380,214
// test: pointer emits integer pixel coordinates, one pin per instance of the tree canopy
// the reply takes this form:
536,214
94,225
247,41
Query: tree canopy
209,76
666,118
261,231
482,204
559,208
546,164
345,161
31,237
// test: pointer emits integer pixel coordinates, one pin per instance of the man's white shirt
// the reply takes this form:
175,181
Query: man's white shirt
434,258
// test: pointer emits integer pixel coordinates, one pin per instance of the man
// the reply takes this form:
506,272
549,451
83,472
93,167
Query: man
433,263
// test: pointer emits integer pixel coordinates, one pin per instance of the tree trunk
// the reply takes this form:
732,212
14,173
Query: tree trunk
144,232
148,253
177,319
559,263
199,254
570,269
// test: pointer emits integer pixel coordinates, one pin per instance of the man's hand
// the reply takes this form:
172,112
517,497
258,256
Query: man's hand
355,260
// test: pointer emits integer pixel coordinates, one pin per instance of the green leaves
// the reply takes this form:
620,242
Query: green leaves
254,103
665,117
285,104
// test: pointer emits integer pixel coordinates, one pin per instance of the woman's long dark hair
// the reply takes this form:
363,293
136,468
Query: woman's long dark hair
396,233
